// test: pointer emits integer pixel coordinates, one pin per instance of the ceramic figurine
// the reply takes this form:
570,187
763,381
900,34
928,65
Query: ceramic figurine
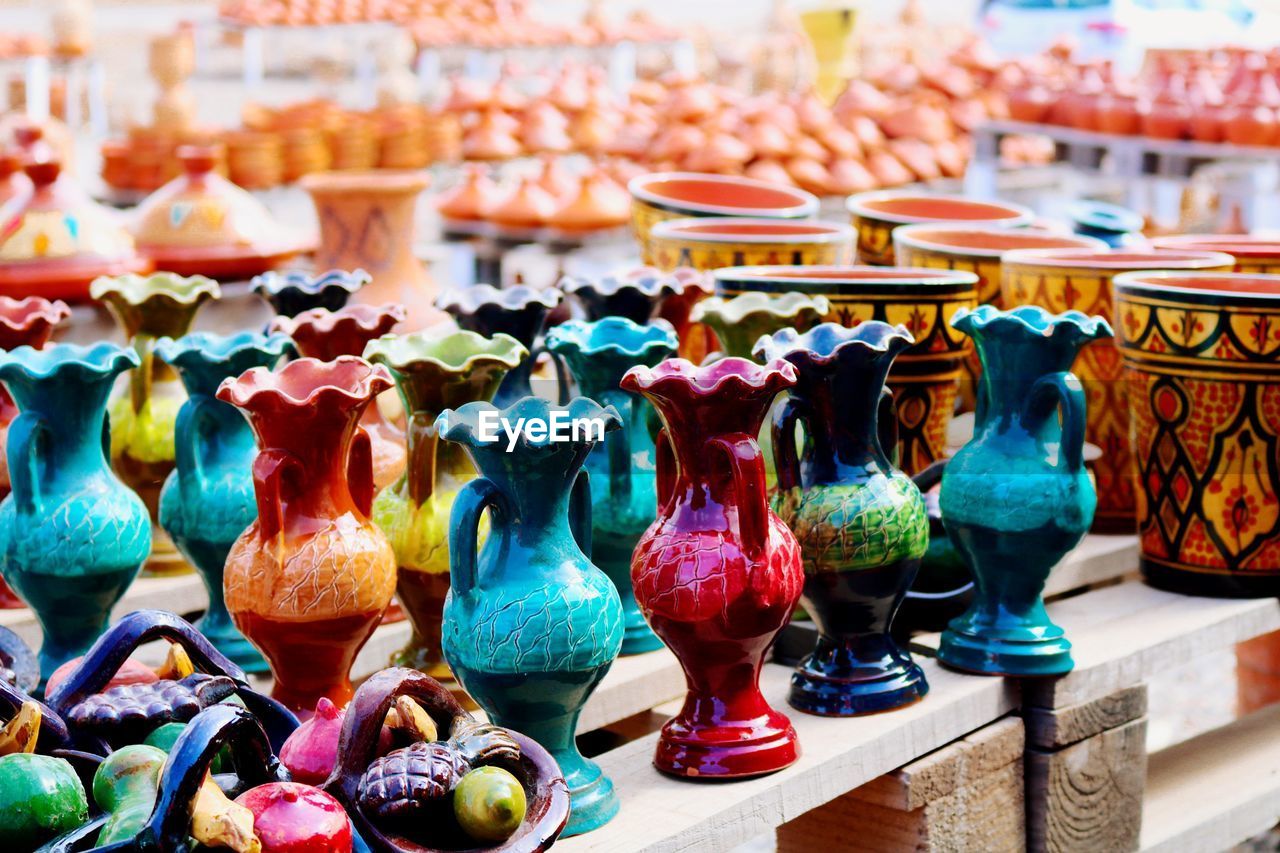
143,416
23,322
207,501
637,297
1017,498
71,566
432,374
740,321
530,625
861,522
718,574
623,492
324,335
519,311
308,581
292,292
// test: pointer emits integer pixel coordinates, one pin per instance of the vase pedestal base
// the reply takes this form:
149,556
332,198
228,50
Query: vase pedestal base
849,692
592,800
986,655
727,749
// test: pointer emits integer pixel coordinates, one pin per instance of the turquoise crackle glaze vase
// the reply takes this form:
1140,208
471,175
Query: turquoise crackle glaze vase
530,625
72,536
861,523
208,499
624,498
1016,498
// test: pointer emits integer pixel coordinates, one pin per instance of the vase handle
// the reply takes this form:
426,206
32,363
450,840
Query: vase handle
580,511
271,471
188,441
618,444
665,467
424,441
360,471
28,440
1054,391
887,426
564,379
747,465
464,530
140,378
785,419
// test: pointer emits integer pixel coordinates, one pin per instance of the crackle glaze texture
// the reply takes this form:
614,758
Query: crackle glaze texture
1016,498
860,522
717,575
530,625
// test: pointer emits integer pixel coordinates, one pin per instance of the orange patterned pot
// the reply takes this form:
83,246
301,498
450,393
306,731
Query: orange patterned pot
1080,279
1252,254
708,244
877,214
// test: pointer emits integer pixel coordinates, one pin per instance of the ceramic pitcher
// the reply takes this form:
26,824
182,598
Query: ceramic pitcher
1017,498
622,470
308,581
531,626
72,536
861,522
717,574
207,501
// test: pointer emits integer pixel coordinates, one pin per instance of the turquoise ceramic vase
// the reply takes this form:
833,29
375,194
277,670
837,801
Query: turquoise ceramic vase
1016,498
623,495
530,625
72,536
208,499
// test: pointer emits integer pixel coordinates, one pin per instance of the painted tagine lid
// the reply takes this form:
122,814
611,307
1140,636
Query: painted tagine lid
55,240
202,223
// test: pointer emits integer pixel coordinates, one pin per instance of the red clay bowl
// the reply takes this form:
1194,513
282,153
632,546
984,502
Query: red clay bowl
985,242
905,208
1252,253
697,194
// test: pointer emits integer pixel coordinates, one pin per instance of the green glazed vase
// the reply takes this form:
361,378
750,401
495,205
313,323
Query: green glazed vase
742,320
624,496
432,374
208,500
531,626
1017,498
143,417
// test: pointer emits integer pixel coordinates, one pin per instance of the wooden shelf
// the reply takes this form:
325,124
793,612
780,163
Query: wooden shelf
1097,559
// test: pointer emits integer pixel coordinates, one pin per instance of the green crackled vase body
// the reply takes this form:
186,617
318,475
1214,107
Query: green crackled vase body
623,492
1017,498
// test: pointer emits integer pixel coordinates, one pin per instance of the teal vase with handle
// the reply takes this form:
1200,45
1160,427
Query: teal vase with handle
623,475
531,626
1017,498
207,500
72,536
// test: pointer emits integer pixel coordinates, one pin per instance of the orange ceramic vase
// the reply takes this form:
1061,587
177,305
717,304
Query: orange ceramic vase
308,582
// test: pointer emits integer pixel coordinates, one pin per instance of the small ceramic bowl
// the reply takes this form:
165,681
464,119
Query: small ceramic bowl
1256,254
877,214
744,241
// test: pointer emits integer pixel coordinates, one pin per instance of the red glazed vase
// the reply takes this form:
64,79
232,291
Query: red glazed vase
308,582
717,574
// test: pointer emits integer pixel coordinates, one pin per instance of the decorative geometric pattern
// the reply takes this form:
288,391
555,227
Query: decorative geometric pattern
875,241
667,253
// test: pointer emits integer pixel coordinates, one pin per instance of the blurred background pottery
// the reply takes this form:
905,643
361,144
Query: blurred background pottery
1118,227
696,339
736,241
291,292
638,295
876,215
738,321
1256,254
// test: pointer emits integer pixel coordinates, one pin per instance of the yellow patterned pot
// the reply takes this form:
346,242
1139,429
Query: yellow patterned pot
924,378
877,214
1252,254
677,195
1202,359
708,244
1080,279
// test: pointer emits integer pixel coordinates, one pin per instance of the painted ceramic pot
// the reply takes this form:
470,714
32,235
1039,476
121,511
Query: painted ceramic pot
144,414
876,215
925,377
860,522
23,322
623,492
531,626
696,339
1017,498
324,335
73,564
1200,361
718,574
292,292
678,195
519,311
1118,227
432,373
637,296
1080,279
708,244
1252,254
308,581
207,500
366,222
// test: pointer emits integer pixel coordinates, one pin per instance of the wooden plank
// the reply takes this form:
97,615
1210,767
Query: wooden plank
1216,790
664,814
1097,559
1048,728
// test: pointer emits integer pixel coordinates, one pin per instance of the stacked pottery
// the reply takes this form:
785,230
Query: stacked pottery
531,625
432,374
877,215
1254,254
707,244
621,467
638,296
292,292
1080,279
161,305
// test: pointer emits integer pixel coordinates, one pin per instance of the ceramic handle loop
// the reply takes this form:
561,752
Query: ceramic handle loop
423,441
746,463
665,469
887,426
580,511
1054,391
360,471
618,446
28,441
188,444
464,530
785,420
271,469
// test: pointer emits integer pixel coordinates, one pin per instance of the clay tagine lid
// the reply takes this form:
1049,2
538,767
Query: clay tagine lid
202,223
55,240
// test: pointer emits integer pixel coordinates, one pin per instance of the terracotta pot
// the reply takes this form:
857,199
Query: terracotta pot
1080,279
1200,357
877,214
366,222
740,241
925,377
1252,254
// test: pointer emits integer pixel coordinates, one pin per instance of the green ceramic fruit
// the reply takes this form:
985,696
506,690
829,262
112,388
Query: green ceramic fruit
40,798
165,736
489,804
125,788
